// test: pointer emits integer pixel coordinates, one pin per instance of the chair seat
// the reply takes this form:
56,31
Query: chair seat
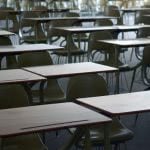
122,66
73,52
82,37
118,134
52,93
32,39
53,96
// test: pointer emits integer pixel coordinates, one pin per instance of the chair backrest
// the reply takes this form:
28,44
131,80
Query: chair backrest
140,16
56,35
112,10
10,60
28,25
58,23
103,22
146,56
144,32
86,86
42,11
11,17
34,59
93,43
146,65
72,14
4,41
12,96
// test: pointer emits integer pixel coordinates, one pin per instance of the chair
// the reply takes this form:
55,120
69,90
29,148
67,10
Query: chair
142,33
10,60
29,33
10,19
82,37
144,64
52,92
13,96
145,67
103,22
107,52
57,36
42,11
112,10
140,16
95,47
94,85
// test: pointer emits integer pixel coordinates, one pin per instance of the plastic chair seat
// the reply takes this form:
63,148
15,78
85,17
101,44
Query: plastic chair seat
52,94
32,39
73,52
82,37
117,135
122,67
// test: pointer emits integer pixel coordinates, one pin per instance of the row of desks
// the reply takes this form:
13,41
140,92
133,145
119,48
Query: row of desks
50,117
18,49
60,116
122,43
51,71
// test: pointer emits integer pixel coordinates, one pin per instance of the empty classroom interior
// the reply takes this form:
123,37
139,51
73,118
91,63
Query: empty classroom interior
74,74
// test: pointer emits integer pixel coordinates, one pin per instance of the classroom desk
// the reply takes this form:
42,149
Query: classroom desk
121,104
138,42
19,49
18,76
72,19
68,31
84,19
6,33
133,10
126,43
9,12
50,117
67,70
116,28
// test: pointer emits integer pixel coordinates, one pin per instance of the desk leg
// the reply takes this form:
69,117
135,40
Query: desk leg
28,90
117,82
117,66
107,145
42,92
77,135
69,47
87,142
79,40
7,24
36,32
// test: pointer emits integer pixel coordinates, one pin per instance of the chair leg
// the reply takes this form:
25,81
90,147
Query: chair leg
133,77
136,118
